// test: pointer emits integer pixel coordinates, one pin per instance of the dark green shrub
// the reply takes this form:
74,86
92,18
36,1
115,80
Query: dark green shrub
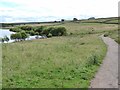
106,34
16,29
32,33
58,31
36,33
71,33
82,43
49,35
16,37
13,36
40,29
93,60
26,28
19,36
23,35
45,32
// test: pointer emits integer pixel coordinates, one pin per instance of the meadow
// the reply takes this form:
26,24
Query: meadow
59,62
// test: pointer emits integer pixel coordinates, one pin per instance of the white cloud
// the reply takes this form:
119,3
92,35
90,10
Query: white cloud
59,8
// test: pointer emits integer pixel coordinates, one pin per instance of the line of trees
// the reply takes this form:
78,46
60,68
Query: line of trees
22,32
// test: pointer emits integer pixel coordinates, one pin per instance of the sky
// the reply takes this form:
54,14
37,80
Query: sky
51,10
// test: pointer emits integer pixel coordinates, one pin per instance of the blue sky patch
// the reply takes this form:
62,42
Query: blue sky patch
8,4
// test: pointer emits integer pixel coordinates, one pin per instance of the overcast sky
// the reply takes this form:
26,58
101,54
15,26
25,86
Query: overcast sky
50,10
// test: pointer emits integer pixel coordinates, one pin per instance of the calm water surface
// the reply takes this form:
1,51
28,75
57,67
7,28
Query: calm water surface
6,32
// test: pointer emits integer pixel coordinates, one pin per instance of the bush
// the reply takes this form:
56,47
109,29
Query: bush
58,31
16,36
32,33
93,60
23,35
19,36
13,36
16,29
106,34
26,28
46,31
49,35
71,33
40,29
36,33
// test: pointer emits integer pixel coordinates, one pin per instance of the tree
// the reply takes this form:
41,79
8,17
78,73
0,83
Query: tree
62,20
75,19
6,39
91,18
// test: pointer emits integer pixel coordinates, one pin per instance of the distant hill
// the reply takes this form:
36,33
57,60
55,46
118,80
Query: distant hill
109,20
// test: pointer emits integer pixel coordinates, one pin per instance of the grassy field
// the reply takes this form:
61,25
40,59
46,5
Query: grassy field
67,61
112,20
28,24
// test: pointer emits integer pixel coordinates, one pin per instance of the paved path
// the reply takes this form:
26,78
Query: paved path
107,75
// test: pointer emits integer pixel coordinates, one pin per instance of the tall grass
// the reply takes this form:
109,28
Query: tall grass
61,62
55,62
58,62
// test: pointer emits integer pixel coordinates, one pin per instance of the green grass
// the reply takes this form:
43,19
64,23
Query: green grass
61,62
86,28
114,35
55,62
112,20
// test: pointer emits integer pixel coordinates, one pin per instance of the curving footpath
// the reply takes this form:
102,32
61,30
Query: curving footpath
107,75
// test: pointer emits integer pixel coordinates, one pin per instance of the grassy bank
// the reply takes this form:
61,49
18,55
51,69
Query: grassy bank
67,61
55,62
114,35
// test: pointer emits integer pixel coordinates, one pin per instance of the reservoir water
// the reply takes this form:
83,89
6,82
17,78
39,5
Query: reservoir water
6,32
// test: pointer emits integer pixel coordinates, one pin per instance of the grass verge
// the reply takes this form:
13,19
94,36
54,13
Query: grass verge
59,62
